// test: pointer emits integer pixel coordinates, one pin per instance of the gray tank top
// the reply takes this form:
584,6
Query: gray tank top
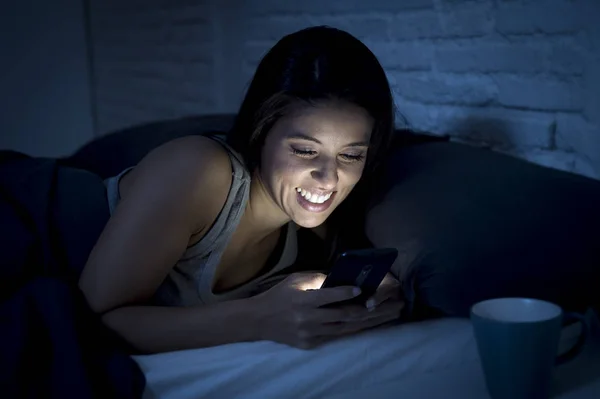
190,280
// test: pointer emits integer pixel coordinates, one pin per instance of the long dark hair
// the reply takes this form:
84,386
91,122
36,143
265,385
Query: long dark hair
314,65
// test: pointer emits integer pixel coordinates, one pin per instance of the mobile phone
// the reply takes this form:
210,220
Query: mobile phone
363,268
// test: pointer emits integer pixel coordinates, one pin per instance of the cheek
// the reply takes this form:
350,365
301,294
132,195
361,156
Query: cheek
285,170
353,174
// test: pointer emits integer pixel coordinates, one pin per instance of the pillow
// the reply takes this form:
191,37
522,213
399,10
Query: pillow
112,153
471,224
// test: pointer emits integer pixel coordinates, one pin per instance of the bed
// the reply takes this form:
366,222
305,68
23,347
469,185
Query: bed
429,359
469,224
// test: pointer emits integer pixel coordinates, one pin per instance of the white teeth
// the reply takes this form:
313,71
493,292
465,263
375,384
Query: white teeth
314,198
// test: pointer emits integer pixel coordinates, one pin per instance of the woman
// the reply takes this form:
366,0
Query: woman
200,223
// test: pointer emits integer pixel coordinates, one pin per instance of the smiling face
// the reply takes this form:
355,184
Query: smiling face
313,157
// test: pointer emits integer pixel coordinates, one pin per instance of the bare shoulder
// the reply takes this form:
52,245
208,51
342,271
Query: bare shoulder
171,195
192,170
191,154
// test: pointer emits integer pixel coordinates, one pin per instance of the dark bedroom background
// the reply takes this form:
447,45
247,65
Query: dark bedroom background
516,76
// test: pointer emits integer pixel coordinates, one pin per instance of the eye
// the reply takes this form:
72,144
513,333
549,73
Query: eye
303,153
352,157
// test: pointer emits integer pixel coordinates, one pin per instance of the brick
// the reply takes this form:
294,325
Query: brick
106,37
188,34
565,60
169,4
272,29
150,18
403,56
490,58
496,127
320,7
191,14
503,131
194,72
420,117
253,53
553,16
592,90
417,25
363,27
445,89
573,133
200,92
472,21
183,109
192,52
143,53
538,93
138,37
558,159
110,122
144,87
248,72
584,167
116,71
455,2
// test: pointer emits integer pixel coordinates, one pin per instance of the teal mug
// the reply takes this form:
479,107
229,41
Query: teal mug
517,340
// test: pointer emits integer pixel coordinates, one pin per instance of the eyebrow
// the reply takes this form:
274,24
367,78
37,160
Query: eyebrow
300,136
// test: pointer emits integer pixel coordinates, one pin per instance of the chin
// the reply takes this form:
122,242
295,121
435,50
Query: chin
310,220
309,223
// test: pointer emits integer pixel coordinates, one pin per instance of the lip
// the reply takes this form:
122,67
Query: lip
312,207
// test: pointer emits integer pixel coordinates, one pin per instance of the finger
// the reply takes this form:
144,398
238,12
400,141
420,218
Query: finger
338,314
352,320
345,328
391,307
382,317
382,295
388,289
351,313
325,296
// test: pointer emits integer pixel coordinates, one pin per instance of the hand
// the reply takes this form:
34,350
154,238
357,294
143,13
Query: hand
384,306
293,312
389,289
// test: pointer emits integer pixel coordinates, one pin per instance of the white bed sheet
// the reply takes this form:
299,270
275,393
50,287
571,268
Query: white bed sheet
431,359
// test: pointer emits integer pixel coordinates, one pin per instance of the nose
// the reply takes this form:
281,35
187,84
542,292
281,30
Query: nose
326,174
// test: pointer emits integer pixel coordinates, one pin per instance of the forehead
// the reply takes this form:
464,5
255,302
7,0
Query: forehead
332,120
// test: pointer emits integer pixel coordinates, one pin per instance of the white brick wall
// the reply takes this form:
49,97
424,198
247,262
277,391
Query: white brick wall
153,59
518,76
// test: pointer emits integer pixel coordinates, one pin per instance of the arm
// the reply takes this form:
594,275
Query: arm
153,329
175,193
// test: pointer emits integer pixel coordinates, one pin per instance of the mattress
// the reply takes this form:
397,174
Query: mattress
430,359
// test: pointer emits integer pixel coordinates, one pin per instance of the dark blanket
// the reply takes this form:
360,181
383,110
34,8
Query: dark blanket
52,344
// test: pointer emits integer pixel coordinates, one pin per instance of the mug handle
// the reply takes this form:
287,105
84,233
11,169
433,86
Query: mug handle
576,349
